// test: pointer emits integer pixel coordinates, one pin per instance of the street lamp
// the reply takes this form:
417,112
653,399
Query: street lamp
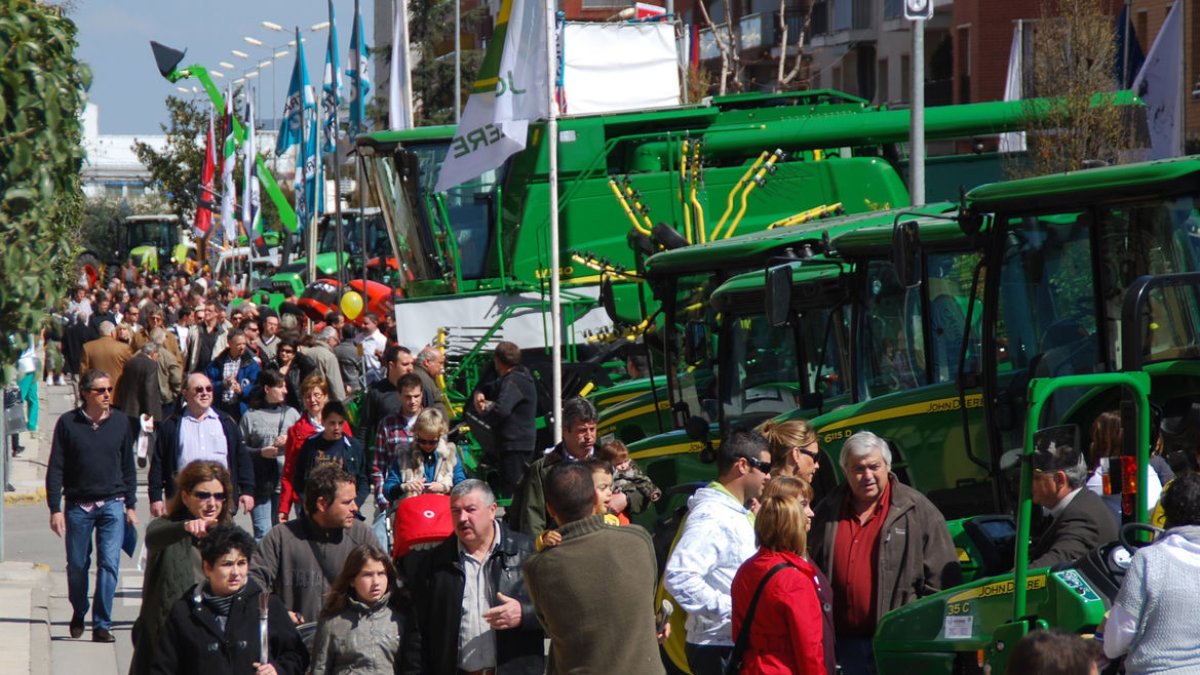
271,25
252,41
239,53
217,73
227,65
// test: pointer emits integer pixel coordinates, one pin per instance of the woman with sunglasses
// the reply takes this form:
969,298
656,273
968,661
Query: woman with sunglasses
315,393
431,465
295,368
794,448
172,559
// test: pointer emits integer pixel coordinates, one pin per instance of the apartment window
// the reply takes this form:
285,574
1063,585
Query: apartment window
905,78
964,64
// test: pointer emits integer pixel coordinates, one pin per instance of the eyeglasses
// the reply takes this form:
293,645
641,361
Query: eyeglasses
814,455
762,466
101,390
202,390
426,442
205,496
287,351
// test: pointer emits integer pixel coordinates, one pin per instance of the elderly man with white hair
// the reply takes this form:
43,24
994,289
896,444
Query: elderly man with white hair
881,543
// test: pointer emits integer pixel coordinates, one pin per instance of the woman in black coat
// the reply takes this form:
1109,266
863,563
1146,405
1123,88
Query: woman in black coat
214,629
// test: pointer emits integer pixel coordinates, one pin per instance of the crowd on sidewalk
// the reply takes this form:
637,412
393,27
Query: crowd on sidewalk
232,407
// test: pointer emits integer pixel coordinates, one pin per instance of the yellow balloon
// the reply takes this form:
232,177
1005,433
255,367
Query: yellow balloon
352,304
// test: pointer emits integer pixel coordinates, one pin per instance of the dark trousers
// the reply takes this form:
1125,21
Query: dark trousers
856,655
706,659
512,467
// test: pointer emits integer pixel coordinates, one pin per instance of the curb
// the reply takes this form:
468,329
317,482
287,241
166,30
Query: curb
37,496
22,572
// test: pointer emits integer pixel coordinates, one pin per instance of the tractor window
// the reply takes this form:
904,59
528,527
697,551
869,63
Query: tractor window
467,207
1159,237
828,326
949,282
762,370
1047,322
893,354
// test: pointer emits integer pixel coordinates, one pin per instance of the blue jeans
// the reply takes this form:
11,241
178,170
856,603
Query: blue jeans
108,521
263,516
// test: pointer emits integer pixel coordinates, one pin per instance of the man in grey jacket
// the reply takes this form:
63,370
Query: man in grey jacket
329,530
874,514
327,364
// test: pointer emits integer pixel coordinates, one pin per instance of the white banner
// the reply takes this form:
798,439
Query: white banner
400,105
619,66
496,120
1014,141
1160,85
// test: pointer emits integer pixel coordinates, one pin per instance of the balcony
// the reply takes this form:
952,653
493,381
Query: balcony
843,22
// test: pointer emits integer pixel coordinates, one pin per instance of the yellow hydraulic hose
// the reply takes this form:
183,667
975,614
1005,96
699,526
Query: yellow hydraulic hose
805,216
638,208
759,179
683,178
696,205
625,207
738,188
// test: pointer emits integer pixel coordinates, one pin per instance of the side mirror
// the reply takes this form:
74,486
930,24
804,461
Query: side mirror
608,300
695,336
906,253
778,295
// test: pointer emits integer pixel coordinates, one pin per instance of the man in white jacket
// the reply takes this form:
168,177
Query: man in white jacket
717,537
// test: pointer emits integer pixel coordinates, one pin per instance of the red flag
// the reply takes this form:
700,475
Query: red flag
207,176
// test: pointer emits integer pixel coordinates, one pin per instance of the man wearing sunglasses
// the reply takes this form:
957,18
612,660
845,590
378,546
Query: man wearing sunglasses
198,432
91,465
717,537
881,543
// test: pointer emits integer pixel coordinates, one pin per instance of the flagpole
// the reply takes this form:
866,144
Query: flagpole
337,206
309,226
555,281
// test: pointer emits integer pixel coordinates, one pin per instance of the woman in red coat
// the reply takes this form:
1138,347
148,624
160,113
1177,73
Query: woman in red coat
314,391
787,629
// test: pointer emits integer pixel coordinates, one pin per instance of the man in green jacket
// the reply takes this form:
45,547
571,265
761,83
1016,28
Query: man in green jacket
528,510
594,592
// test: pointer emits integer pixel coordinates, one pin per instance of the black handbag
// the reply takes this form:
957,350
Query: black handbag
734,666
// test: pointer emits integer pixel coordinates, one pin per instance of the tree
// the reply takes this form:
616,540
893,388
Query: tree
42,89
432,33
1074,50
176,170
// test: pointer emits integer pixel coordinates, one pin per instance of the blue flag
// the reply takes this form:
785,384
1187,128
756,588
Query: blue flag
332,95
289,126
360,79
308,197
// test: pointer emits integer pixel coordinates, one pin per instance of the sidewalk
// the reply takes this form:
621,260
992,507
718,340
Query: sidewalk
34,610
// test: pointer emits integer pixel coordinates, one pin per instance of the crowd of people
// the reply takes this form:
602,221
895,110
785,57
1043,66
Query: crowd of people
229,407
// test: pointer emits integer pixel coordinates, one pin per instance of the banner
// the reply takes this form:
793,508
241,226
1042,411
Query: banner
208,174
289,125
400,106
1160,85
1014,141
332,91
250,195
511,90
229,158
360,77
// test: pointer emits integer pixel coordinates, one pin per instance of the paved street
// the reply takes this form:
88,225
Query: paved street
34,611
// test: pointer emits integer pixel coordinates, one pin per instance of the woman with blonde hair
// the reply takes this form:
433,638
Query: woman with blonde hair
314,394
794,448
172,559
789,629
431,464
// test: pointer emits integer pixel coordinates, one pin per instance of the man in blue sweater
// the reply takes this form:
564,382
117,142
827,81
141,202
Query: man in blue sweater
91,464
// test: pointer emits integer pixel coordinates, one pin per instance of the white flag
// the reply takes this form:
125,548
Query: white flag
400,106
1014,141
512,89
250,197
1160,85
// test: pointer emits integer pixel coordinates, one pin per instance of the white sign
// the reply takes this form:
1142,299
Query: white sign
918,10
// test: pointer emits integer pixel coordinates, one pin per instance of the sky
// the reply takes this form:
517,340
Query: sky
114,39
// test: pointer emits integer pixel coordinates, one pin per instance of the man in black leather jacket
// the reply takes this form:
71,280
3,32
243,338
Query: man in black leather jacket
501,632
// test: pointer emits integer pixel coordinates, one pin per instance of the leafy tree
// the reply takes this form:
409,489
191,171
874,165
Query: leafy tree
176,170
1074,50
42,89
432,33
